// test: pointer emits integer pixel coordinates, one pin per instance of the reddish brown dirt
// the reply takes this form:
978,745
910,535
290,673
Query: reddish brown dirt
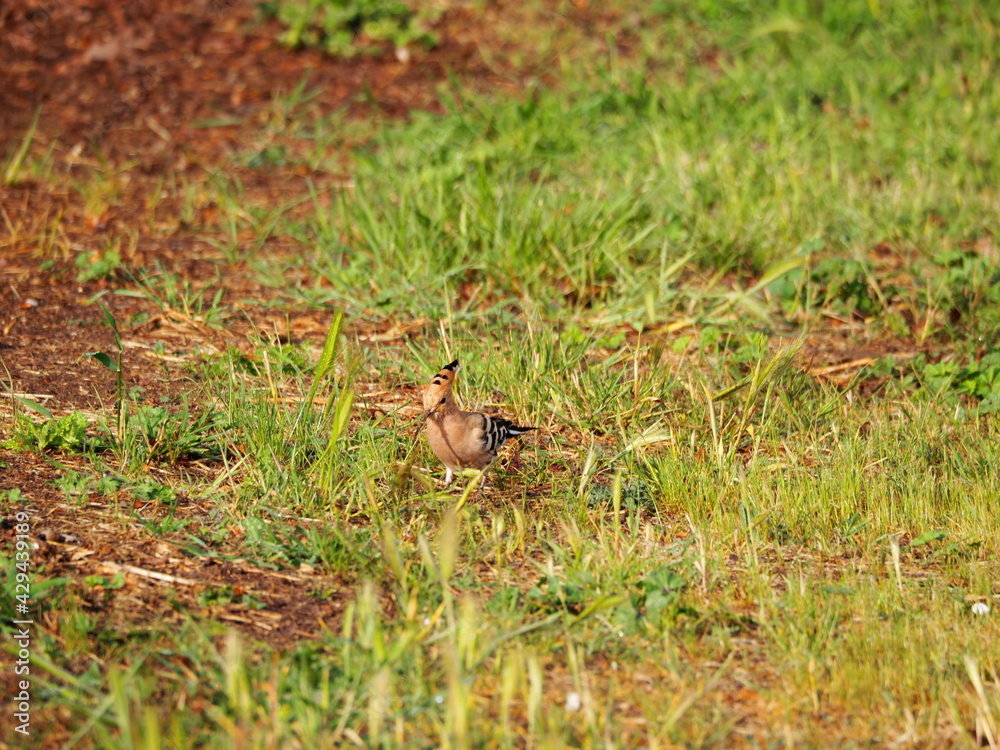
88,535
136,78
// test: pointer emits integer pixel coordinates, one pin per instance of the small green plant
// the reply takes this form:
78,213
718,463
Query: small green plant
105,583
970,291
150,434
571,593
157,435
109,484
115,365
842,284
351,27
97,264
154,491
223,595
68,434
661,594
978,382
75,485
272,156
969,276
10,497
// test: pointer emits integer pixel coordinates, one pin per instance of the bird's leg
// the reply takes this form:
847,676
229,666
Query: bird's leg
482,480
475,476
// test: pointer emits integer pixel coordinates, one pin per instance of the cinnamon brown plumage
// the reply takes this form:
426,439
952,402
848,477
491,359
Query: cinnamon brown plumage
462,439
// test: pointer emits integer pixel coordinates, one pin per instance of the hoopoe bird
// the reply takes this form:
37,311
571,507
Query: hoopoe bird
462,439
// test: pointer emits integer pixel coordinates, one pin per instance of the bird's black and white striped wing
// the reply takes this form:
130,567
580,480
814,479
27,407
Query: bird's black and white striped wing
497,431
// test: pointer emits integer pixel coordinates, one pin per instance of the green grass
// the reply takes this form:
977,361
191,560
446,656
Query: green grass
793,152
704,544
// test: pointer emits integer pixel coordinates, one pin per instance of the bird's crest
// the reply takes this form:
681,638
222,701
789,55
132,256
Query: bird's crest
438,392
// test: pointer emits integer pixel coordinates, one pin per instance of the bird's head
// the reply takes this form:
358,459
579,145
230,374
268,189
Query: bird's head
438,392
